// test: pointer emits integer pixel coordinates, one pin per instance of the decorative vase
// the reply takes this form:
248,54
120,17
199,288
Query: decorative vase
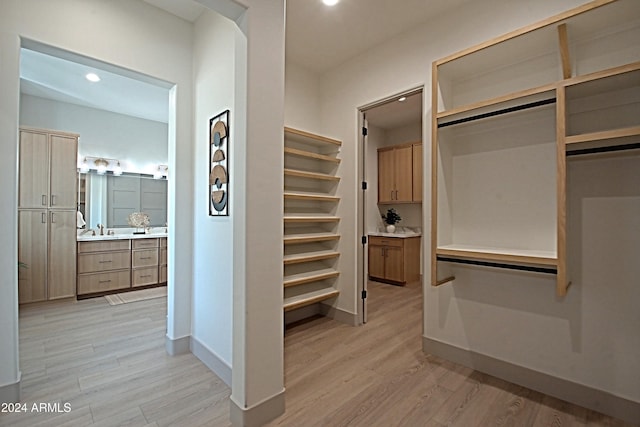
391,228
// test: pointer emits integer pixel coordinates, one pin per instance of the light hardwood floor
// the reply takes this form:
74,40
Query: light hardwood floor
109,363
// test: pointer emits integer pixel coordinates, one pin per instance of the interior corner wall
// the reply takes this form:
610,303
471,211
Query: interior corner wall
139,144
214,79
129,34
301,98
506,316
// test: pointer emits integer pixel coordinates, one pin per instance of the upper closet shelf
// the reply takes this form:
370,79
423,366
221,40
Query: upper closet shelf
318,197
516,101
311,175
310,155
309,138
525,256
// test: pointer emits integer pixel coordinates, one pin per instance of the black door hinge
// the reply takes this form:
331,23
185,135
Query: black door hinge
365,131
364,240
364,294
364,185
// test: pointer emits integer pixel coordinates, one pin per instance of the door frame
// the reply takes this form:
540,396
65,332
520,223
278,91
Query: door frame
361,216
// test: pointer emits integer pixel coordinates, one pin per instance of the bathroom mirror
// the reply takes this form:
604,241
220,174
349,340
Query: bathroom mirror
109,199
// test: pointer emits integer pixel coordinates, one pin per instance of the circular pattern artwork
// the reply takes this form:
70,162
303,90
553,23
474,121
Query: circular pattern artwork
218,164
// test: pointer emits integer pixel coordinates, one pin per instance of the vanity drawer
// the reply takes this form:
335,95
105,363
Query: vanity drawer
144,258
144,243
386,241
144,276
103,246
100,282
94,262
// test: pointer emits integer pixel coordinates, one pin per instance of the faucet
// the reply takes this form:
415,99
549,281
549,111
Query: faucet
101,227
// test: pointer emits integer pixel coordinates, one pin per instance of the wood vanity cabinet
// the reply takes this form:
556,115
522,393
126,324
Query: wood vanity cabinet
394,259
144,262
400,173
103,266
162,273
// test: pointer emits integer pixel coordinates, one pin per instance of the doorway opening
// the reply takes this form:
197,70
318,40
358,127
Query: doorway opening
390,204
123,121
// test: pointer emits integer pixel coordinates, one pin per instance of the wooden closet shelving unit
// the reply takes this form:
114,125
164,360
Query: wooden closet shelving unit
310,221
506,114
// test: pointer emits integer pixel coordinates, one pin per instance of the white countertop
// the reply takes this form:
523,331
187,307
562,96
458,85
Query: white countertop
87,237
400,234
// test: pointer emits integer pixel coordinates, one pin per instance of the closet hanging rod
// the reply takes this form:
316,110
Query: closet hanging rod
500,265
611,148
498,112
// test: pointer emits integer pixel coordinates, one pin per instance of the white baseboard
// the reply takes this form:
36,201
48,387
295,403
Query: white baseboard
301,313
340,315
569,391
10,393
177,346
257,415
211,360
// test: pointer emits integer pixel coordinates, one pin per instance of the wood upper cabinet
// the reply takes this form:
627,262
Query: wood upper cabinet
63,151
397,174
47,169
34,170
417,172
386,175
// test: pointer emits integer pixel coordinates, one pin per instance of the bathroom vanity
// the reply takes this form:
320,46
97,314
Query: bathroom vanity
120,262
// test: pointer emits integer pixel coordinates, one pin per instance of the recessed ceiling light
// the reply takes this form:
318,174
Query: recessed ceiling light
93,77
330,2
402,98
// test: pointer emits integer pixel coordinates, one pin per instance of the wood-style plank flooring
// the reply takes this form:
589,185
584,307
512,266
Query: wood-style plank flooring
110,364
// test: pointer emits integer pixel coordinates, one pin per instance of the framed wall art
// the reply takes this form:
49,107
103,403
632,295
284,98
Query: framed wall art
219,144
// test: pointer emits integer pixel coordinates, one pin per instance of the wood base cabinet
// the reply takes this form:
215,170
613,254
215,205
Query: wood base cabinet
103,266
394,259
120,265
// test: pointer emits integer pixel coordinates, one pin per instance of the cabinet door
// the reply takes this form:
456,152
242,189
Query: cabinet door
62,254
32,250
394,264
376,261
63,172
403,174
417,172
386,176
34,170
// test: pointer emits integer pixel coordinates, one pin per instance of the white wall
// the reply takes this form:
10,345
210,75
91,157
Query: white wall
140,145
129,34
507,316
213,267
302,98
258,376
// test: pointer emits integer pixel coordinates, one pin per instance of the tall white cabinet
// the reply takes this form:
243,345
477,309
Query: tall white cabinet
47,214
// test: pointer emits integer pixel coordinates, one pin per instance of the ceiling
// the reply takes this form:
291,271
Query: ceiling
318,38
52,77
395,113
